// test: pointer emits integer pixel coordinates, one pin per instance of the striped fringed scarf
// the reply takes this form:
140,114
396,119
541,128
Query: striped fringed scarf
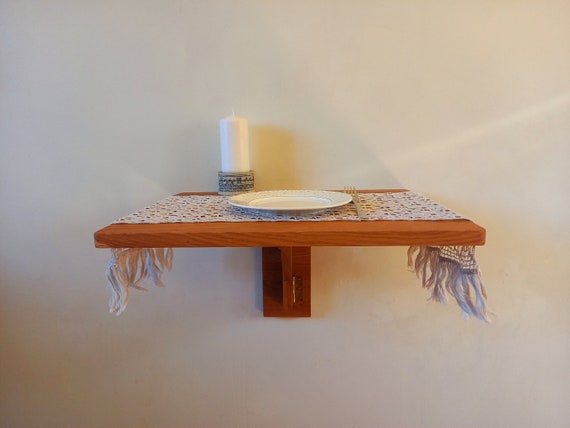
129,267
453,270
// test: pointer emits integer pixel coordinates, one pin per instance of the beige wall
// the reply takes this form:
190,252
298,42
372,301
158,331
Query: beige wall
106,106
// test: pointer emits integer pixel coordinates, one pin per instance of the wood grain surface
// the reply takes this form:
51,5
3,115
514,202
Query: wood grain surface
291,234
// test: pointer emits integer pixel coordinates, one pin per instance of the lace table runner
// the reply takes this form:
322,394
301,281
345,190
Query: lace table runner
442,270
214,208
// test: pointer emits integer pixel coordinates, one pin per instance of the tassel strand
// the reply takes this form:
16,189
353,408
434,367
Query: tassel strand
451,270
129,267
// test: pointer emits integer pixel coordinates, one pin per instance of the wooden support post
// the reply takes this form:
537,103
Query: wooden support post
286,281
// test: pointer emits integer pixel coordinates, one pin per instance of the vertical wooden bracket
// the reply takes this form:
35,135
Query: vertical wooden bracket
286,281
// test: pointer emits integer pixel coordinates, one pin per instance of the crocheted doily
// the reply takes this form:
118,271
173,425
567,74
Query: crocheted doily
215,208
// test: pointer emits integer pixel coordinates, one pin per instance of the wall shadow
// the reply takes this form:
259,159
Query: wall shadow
274,156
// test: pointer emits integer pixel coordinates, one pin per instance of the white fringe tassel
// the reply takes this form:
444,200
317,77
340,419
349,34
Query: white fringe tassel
129,267
452,270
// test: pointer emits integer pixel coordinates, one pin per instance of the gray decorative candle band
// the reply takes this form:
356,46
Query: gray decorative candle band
233,183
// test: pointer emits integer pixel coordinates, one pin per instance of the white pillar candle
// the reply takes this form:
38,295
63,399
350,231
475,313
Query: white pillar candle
234,144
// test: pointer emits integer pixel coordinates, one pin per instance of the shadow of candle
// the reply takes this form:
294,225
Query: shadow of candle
274,154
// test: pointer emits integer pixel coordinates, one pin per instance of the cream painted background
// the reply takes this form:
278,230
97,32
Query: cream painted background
106,106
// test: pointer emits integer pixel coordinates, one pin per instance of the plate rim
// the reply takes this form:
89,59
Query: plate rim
298,192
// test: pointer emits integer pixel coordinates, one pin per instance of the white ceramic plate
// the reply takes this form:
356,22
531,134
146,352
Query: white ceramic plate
290,201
